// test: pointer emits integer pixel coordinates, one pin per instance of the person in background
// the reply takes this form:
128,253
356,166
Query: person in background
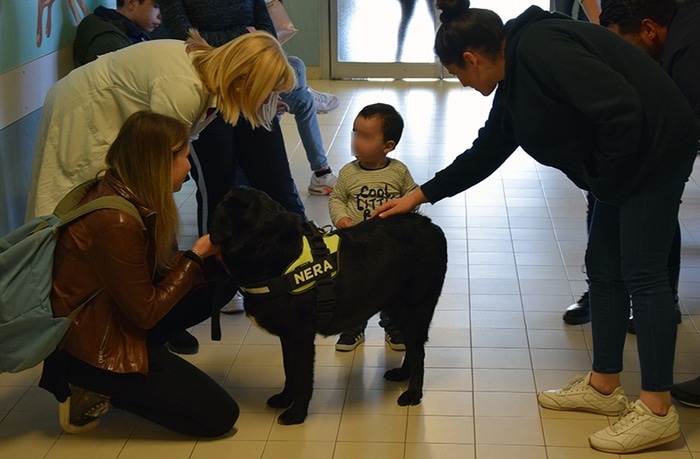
585,101
363,185
669,32
107,30
113,353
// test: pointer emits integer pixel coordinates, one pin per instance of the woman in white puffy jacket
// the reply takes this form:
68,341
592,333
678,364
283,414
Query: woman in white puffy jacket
188,81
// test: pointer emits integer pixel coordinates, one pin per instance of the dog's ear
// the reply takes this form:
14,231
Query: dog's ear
248,220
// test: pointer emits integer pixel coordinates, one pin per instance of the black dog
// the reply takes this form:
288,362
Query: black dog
395,264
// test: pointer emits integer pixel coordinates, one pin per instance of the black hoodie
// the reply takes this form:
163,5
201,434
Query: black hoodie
581,99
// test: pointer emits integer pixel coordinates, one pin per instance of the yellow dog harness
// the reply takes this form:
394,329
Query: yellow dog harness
302,274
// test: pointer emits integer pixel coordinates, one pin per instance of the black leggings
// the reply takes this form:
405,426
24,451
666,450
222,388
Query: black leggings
174,394
260,154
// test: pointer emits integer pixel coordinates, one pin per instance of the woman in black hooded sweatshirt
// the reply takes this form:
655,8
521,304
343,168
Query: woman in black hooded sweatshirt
577,97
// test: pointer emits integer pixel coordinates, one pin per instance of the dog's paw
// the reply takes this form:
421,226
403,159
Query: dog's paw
397,374
281,400
409,398
291,417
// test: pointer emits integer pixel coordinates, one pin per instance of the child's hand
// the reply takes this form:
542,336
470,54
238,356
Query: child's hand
344,222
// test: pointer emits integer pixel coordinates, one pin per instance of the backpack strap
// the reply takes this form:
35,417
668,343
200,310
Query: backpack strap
67,209
105,202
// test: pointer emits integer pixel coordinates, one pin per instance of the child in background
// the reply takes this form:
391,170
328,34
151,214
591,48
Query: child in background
365,184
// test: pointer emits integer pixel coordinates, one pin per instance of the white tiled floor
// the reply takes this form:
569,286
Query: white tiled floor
516,244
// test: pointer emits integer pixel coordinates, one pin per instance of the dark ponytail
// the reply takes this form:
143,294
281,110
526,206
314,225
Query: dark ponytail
464,28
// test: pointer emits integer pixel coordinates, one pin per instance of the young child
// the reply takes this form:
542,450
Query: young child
365,184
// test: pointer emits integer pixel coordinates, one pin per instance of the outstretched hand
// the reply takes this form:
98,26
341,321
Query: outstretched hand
204,247
402,205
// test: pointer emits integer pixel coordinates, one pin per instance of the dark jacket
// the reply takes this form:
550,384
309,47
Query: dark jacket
581,99
681,58
102,32
109,249
218,21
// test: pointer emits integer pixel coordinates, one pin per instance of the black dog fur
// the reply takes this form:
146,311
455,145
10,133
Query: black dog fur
395,264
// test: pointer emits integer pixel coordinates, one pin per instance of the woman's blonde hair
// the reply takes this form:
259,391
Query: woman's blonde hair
142,158
245,74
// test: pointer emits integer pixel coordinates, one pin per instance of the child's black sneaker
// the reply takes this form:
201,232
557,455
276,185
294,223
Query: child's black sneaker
394,339
348,342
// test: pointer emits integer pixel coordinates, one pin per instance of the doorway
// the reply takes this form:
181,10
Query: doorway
394,38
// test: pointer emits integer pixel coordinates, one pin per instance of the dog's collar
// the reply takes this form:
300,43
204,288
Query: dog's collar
301,275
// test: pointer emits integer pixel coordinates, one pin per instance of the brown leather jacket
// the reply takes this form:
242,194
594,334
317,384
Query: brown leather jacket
109,249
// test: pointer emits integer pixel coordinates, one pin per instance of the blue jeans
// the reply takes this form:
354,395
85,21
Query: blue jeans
301,105
627,257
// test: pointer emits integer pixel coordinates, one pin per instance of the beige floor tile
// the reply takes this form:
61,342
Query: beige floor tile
570,432
443,357
503,380
253,426
439,451
353,450
501,358
558,452
317,427
373,428
506,451
436,403
228,449
440,429
298,450
499,338
520,431
28,434
505,404
383,402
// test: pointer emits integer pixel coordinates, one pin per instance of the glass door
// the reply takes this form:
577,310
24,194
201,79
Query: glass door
394,38
383,39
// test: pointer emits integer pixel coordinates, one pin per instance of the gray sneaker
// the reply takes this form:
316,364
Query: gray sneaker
637,429
323,101
579,395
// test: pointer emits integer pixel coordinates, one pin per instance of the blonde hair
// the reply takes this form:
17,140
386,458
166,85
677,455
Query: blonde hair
245,74
142,158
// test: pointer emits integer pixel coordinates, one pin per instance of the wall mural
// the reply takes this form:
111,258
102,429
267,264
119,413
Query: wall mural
39,27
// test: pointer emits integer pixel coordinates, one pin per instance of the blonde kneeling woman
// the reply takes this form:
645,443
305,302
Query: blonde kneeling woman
84,111
113,354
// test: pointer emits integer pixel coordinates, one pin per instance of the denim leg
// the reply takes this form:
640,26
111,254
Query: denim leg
648,222
627,256
608,297
301,105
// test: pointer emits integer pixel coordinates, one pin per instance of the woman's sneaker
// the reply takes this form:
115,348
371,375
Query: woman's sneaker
637,429
81,411
579,395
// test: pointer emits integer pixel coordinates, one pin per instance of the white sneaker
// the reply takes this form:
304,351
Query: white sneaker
637,429
324,102
579,395
322,185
